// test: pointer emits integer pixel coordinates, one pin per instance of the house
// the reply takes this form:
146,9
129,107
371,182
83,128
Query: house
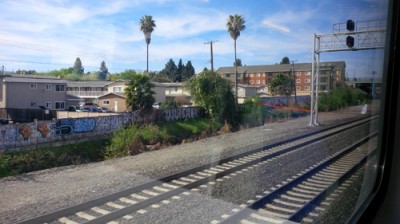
331,75
113,101
245,91
87,91
32,92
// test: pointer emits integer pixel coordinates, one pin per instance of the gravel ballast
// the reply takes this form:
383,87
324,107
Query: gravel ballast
32,194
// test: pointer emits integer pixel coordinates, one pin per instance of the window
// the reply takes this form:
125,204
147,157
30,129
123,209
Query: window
33,104
48,105
263,74
252,127
33,86
117,89
60,87
48,87
60,105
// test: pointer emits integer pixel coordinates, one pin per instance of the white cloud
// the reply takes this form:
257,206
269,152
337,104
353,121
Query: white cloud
275,26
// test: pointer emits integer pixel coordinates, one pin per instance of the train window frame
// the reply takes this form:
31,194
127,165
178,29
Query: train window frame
379,206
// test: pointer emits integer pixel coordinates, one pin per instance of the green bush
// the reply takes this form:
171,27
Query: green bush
14,163
252,113
339,98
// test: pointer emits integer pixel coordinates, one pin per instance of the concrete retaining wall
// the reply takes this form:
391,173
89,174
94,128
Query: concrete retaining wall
40,133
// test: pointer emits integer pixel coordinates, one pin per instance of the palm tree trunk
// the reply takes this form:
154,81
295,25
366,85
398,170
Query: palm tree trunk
147,68
236,78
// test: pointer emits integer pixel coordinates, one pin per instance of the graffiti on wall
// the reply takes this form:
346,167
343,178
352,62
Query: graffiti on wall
42,128
48,131
69,125
25,131
180,113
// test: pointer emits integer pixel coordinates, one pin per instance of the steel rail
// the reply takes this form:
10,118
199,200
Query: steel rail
102,200
296,217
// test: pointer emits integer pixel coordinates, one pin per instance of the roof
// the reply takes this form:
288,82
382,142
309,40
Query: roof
32,79
116,94
279,67
88,83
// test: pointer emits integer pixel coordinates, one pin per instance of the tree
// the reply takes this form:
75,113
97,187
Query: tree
103,71
285,60
235,25
78,68
238,62
188,71
147,25
214,94
170,70
139,93
281,84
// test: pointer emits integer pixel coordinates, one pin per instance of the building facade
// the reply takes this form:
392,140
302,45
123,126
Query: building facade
32,92
331,75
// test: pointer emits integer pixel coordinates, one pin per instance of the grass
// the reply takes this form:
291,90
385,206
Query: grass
127,141
15,163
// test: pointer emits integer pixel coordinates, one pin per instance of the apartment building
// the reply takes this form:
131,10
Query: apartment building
32,92
331,75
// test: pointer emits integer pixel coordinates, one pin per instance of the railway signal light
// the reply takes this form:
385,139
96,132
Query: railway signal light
350,25
350,41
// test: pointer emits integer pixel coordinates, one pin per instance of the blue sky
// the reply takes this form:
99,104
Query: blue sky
46,35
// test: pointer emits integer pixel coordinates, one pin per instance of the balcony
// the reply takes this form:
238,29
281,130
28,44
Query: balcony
87,94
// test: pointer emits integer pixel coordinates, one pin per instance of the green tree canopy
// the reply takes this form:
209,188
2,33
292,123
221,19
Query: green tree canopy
78,68
285,60
103,71
147,25
281,84
214,94
139,93
170,70
125,75
188,71
238,62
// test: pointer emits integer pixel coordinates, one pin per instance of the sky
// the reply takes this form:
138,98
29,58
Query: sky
45,35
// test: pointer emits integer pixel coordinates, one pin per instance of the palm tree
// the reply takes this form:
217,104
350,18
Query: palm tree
235,24
147,25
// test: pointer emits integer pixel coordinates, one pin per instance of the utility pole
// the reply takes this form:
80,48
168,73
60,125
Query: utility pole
294,83
211,50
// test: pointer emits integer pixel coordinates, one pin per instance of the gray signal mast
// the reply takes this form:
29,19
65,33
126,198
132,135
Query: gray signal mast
349,36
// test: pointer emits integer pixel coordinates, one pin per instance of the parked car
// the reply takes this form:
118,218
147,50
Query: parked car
104,110
92,109
77,109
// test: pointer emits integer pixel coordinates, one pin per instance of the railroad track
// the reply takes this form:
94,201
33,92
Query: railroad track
121,204
298,198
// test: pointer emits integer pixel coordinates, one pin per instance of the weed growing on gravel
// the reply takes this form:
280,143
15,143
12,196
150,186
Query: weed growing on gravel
14,163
